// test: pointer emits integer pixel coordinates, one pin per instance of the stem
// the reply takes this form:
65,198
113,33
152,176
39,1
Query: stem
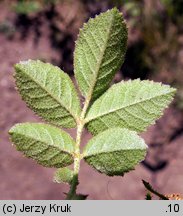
77,154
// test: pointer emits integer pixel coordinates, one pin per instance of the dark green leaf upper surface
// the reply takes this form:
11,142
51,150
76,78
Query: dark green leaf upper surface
48,91
48,145
99,52
115,151
132,104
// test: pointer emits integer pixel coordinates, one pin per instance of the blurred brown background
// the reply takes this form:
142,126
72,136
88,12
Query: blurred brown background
47,30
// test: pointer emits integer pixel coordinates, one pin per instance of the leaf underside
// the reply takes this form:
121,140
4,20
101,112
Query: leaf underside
115,151
114,117
48,91
63,175
132,104
47,145
99,52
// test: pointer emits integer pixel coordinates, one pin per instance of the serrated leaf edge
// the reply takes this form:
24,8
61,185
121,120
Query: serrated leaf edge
84,154
89,94
58,101
18,124
87,120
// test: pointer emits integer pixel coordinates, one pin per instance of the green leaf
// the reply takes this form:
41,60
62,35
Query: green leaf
48,145
99,52
63,175
131,104
48,91
115,151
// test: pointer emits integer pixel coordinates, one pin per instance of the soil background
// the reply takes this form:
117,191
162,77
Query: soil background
22,178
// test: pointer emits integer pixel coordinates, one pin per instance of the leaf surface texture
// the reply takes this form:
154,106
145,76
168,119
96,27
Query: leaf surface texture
48,91
99,52
48,145
63,175
115,151
132,104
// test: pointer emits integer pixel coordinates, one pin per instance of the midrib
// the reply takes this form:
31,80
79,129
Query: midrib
44,142
115,110
100,60
58,101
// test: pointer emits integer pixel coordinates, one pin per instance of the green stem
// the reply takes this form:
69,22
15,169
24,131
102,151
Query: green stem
77,154
73,188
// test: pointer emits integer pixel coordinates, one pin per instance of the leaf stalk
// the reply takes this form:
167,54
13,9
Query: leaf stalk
77,159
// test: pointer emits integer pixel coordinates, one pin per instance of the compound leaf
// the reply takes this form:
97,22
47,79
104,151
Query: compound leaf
48,145
63,175
115,151
99,52
132,104
48,91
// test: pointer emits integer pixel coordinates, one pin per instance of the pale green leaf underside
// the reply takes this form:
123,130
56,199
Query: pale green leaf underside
99,52
48,145
132,104
48,91
63,175
115,151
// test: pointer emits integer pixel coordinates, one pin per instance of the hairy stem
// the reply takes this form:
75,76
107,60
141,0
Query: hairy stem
77,156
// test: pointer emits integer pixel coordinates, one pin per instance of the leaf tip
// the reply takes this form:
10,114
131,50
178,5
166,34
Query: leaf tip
12,130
